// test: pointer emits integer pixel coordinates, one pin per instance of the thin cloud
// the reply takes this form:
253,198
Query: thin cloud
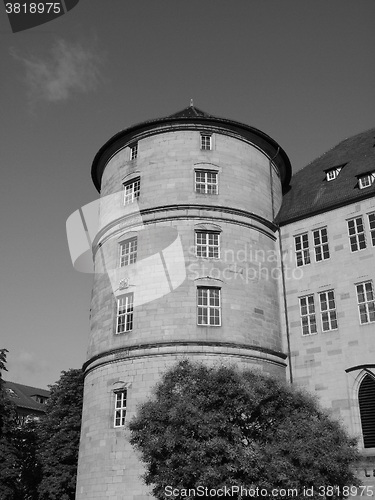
67,69
26,366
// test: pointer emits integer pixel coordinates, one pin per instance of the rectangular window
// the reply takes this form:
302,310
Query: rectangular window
328,310
356,234
308,318
366,302
120,408
333,173
125,313
128,252
366,180
371,221
131,191
302,249
134,151
206,182
209,306
207,244
321,244
206,142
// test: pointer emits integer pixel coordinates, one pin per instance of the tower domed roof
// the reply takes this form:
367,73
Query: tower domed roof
310,192
191,118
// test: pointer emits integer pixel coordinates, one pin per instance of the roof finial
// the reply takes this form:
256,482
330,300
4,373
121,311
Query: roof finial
191,103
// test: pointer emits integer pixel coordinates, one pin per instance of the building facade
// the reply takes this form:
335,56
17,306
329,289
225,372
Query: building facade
201,252
181,199
327,233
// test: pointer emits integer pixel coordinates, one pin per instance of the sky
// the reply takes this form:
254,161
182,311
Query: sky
301,71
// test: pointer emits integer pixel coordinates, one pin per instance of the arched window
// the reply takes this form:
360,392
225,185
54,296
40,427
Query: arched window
366,398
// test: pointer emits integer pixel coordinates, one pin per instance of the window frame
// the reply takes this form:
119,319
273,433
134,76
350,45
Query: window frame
206,183
365,304
321,245
367,408
331,312
134,192
366,180
371,223
201,306
308,315
129,257
206,140
120,410
302,254
125,318
209,247
354,238
133,155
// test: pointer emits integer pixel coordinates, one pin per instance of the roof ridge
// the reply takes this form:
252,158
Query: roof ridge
352,137
24,385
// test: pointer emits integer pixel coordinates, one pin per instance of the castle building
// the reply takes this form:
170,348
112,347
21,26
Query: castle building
327,235
207,249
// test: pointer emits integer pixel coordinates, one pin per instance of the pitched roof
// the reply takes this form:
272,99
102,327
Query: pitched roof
190,112
310,193
22,396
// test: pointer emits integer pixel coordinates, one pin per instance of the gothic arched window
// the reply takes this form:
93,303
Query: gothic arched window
366,398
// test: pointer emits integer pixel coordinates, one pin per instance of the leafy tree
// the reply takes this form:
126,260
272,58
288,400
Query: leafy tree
59,433
19,468
9,460
219,427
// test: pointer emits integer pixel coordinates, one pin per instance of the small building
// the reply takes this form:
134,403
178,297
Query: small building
30,401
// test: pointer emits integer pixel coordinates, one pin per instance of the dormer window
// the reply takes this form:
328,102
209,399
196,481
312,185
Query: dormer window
366,180
12,393
332,173
40,399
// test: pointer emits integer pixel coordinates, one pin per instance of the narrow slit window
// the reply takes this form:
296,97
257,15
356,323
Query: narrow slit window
308,317
120,408
371,220
125,313
134,151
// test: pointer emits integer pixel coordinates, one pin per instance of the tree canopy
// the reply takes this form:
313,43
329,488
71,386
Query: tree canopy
59,434
217,428
9,457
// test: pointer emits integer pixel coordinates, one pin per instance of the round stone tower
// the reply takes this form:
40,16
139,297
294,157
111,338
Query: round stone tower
186,265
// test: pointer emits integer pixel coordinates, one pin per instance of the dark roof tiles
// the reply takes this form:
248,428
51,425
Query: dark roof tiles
310,193
23,395
190,112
